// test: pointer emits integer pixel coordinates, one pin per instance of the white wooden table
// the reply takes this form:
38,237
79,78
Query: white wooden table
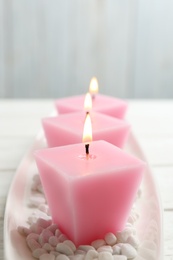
152,122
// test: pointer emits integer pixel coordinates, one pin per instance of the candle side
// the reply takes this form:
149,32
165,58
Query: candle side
68,129
103,104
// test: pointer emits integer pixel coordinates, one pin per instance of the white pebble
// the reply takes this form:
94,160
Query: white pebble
37,200
139,193
32,219
38,252
43,208
53,228
119,244
48,212
76,257
53,241
44,223
119,257
32,236
48,247
131,219
40,188
91,254
36,178
64,249
116,250
110,239
36,228
105,248
32,244
123,235
147,253
47,257
47,234
98,243
44,236
86,248
128,250
105,256
80,252
57,233
133,241
39,214
24,231
62,238
70,244
55,253
134,214
138,257
62,257
34,186
129,225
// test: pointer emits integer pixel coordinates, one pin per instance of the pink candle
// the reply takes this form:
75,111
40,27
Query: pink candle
68,128
89,197
101,103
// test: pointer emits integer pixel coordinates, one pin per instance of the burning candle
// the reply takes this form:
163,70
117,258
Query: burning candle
93,88
89,195
87,103
68,128
104,104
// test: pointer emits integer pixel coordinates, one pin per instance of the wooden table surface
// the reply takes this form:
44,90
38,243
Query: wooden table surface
152,123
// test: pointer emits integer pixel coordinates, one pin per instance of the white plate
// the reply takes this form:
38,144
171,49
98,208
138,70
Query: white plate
17,210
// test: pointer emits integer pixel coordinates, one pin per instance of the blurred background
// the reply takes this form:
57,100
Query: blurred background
52,48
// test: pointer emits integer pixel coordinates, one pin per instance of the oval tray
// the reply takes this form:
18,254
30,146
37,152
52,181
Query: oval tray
149,225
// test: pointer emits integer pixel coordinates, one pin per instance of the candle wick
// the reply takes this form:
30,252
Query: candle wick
87,113
87,150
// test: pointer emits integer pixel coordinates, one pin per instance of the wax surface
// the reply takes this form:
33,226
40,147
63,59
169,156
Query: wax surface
68,129
103,104
89,198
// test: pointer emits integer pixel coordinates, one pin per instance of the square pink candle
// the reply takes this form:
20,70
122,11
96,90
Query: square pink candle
101,103
88,198
68,129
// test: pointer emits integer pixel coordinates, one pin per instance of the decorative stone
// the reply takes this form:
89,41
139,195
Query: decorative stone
91,254
98,243
47,257
105,256
33,244
105,249
70,244
62,257
38,252
116,250
64,249
128,250
110,239
119,257
133,241
86,248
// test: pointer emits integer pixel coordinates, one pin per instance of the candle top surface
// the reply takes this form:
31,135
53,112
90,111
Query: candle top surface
70,160
99,102
75,122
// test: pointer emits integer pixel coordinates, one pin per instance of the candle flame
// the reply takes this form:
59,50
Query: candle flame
88,102
93,88
87,132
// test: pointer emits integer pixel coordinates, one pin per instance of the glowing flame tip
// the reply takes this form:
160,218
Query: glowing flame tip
93,88
87,132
